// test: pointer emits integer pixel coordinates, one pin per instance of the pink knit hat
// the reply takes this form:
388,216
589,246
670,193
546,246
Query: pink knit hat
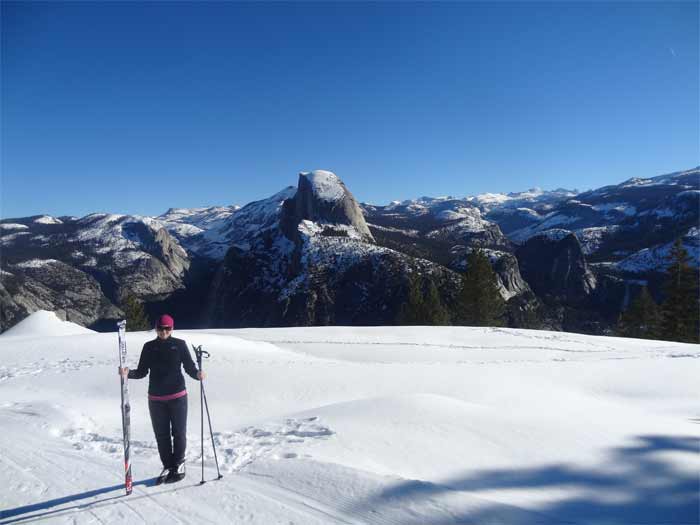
165,320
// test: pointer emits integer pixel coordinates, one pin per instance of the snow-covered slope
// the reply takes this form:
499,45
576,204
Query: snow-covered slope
398,425
210,232
187,224
44,324
627,220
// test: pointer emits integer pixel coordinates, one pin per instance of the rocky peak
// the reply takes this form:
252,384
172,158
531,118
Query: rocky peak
554,264
322,198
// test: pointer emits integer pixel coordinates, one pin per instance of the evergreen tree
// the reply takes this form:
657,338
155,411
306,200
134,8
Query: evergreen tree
422,306
681,308
435,312
480,303
641,319
136,318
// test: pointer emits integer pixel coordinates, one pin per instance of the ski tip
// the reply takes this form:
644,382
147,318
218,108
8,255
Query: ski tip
121,324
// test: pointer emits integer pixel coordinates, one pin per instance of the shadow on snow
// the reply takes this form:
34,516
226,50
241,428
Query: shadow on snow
637,485
20,513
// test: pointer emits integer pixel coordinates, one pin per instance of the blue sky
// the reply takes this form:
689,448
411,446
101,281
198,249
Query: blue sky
137,107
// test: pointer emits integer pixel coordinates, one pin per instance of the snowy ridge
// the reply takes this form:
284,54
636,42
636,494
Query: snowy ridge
657,257
47,219
469,222
111,234
253,219
551,221
534,198
187,223
8,226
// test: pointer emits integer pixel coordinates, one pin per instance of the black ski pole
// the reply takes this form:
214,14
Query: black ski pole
198,354
204,404
213,445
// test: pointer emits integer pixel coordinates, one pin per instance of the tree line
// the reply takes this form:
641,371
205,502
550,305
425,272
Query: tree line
677,318
479,302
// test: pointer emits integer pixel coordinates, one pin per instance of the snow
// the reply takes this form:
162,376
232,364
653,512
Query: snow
619,207
44,324
656,258
381,425
11,226
36,263
47,219
549,222
325,185
492,198
592,238
455,214
470,222
7,240
555,234
186,223
241,228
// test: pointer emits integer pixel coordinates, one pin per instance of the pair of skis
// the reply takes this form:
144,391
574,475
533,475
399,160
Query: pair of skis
126,409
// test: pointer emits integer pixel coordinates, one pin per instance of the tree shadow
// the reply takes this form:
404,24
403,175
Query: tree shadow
20,513
637,485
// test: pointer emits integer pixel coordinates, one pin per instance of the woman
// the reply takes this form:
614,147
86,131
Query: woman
164,357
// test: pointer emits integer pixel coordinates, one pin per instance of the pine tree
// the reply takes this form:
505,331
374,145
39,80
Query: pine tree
642,318
136,318
681,308
435,312
423,306
480,303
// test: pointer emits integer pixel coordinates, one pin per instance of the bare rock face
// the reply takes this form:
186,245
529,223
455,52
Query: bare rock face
554,265
508,279
55,286
322,198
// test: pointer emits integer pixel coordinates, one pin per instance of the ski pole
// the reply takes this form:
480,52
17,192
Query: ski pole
204,404
198,353
213,445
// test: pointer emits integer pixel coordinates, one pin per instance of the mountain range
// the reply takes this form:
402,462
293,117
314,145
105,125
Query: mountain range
312,255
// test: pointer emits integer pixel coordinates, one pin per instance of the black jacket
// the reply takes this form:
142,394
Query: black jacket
165,359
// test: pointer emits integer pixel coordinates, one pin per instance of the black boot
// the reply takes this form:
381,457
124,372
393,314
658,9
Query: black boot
176,474
163,476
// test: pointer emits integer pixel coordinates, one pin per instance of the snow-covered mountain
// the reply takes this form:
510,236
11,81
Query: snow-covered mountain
315,262
626,221
85,267
317,256
199,229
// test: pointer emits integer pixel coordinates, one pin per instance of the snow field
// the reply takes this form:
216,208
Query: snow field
410,425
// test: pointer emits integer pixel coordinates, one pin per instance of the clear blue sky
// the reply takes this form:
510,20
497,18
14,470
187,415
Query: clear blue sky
137,107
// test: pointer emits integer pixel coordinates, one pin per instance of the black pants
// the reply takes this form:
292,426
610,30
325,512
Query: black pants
170,417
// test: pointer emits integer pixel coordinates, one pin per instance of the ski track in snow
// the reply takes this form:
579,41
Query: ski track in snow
236,450
41,366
